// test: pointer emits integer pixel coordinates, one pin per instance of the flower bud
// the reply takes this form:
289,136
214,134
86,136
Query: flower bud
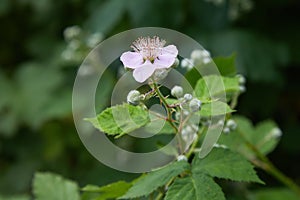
226,130
188,97
177,91
182,157
134,97
195,105
176,63
160,74
231,124
94,39
242,79
72,32
188,134
276,132
187,63
242,88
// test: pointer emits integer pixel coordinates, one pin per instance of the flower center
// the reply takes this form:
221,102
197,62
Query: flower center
149,48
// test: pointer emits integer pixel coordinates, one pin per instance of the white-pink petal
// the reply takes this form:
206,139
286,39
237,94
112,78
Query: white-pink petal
170,49
144,72
164,61
132,59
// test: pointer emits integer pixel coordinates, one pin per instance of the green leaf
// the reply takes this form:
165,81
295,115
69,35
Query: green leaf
48,186
215,87
223,163
226,65
155,179
274,194
197,186
265,137
17,197
112,190
120,119
214,108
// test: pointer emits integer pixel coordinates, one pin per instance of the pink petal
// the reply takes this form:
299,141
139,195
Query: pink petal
142,73
164,61
170,49
132,59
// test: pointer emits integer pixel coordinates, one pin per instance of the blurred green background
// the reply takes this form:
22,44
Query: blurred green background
39,59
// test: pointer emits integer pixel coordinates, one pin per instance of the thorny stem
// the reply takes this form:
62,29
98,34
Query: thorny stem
163,101
270,168
169,114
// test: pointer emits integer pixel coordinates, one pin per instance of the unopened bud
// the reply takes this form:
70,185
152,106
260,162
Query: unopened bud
231,124
177,91
134,97
195,105
182,157
188,97
226,130
176,63
242,79
160,74
276,132
72,32
242,88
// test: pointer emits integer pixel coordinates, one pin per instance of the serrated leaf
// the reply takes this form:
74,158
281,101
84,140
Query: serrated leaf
223,163
48,186
120,119
267,136
226,65
110,191
214,108
197,186
155,179
263,137
215,87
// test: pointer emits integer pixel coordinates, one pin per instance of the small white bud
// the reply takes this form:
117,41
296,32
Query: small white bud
242,89
176,63
276,133
188,134
187,63
226,130
242,79
94,39
188,97
134,97
221,122
231,124
195,105
72,32
196,54
160,74
74,44
177,91
182,157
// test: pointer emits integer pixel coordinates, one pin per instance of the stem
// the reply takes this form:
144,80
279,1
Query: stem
195,142
270,168
163,101
169,114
